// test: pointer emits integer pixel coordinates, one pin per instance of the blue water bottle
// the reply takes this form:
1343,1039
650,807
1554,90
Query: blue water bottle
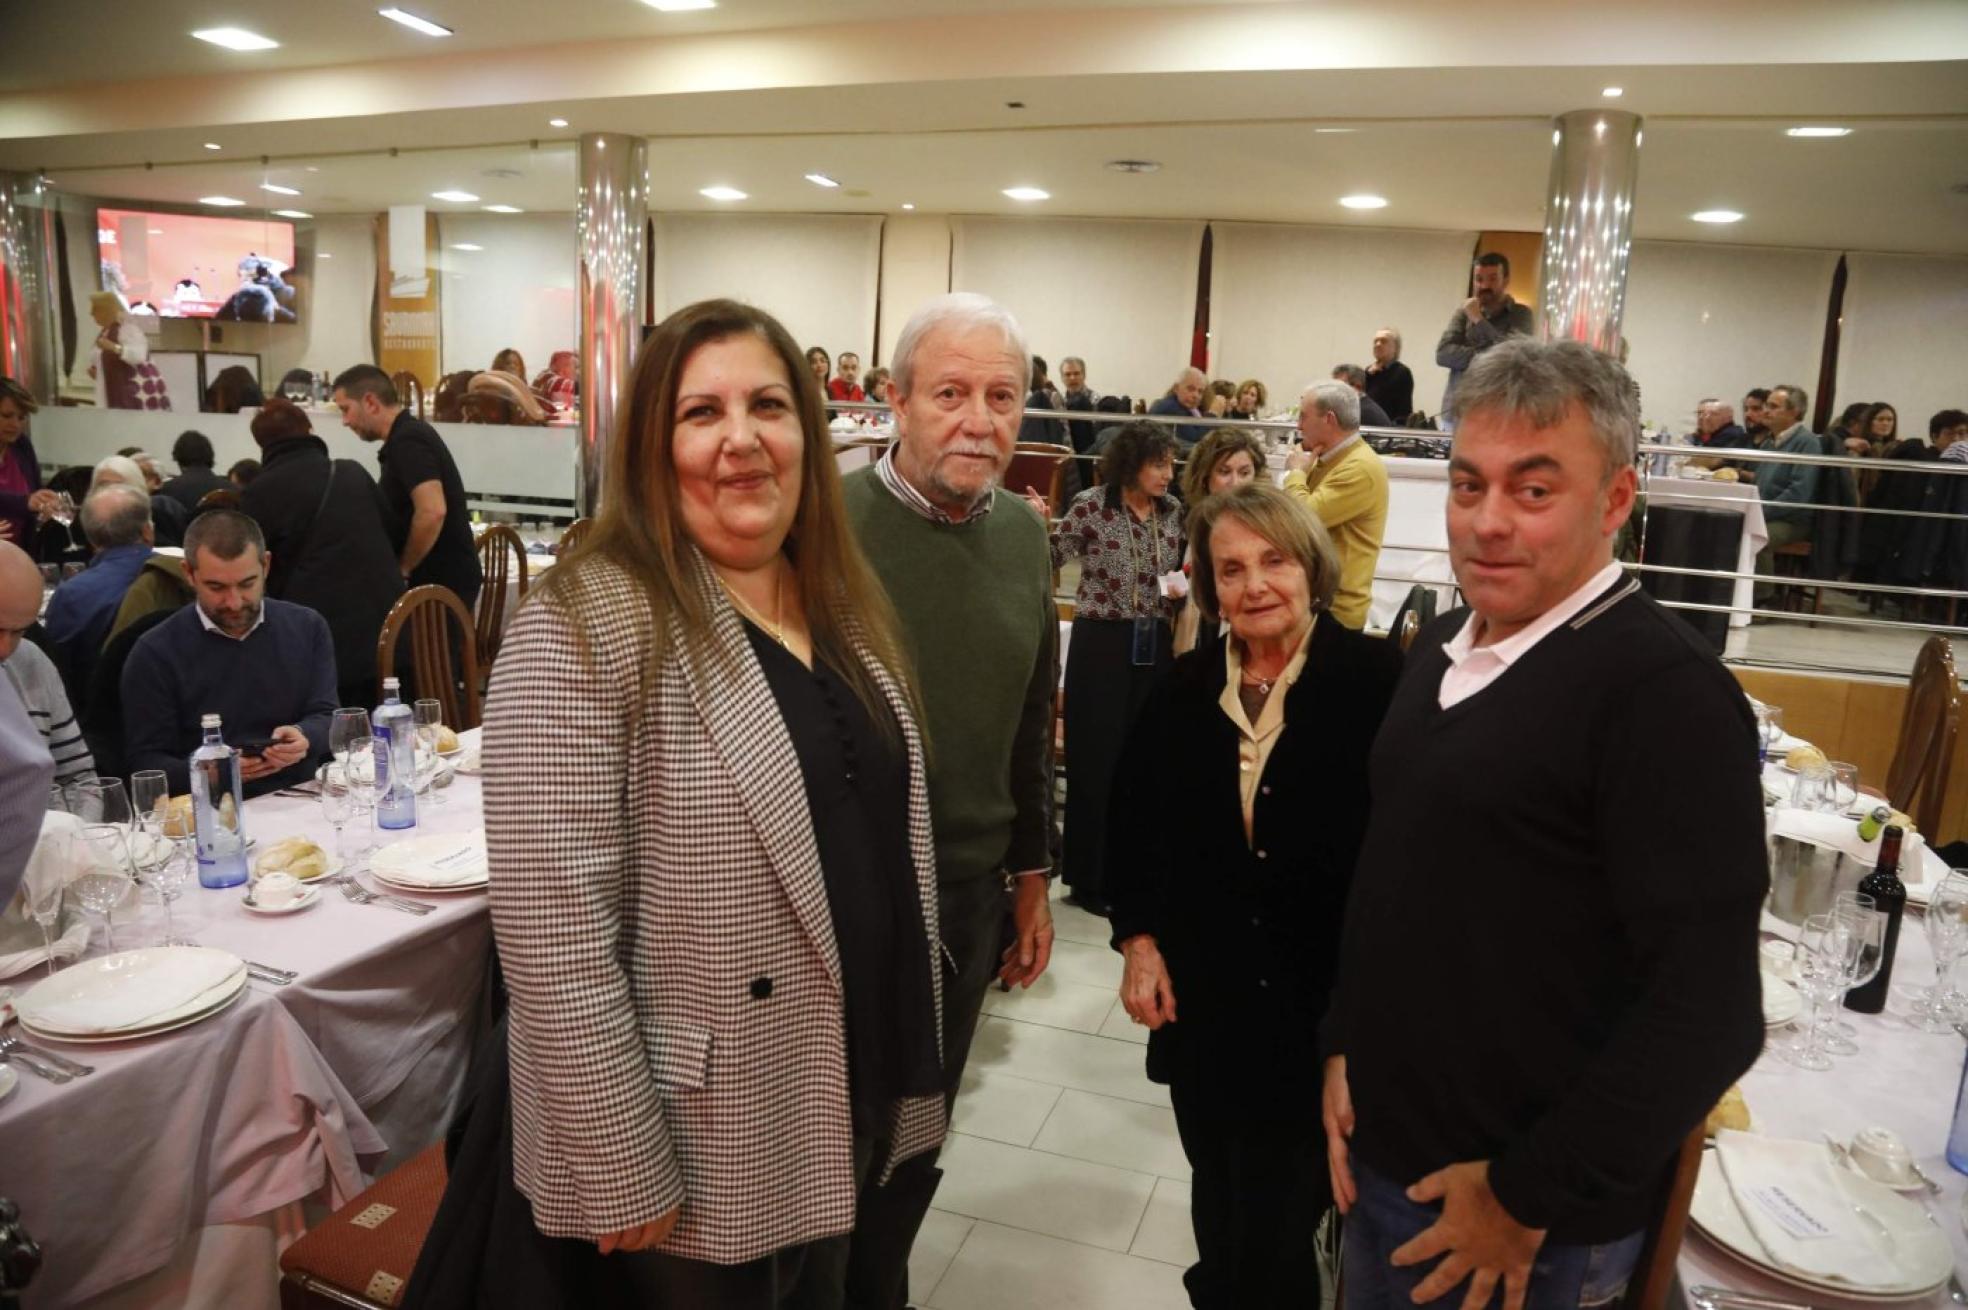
396,760
218,810
1957,1147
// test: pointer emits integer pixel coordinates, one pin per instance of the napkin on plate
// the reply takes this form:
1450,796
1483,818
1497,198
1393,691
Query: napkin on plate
92,1000
21,944
1793,1202
434,861
470,748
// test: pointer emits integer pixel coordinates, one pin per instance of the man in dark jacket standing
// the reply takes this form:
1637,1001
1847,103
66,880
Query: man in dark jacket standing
192,453
323,521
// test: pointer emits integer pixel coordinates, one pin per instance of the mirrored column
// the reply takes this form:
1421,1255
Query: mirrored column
1588,226
28,351
611,212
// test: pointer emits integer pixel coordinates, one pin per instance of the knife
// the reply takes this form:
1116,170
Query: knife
61,1062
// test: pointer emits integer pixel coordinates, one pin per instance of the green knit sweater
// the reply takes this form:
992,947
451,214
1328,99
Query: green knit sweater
975,601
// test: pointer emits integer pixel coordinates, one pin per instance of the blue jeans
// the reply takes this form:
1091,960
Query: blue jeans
1384,1219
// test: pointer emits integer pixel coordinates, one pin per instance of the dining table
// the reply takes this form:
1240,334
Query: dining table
176,1172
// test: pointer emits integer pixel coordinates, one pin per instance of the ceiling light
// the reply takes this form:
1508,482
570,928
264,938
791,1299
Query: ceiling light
1716,216
155,231
1613,92
1133,166
722,193
322,254
292,213
822,180
679,6
223,202
465,245
1027,193
236,38
455,197
1364,202
504,209
1333,131
907,205
1818,131
213,145
279,190
415,23
556,122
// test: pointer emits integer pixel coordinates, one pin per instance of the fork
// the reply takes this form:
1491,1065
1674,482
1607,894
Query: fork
361,895
34,1066
15,1046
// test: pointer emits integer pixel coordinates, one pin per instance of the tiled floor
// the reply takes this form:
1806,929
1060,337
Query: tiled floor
1064,1186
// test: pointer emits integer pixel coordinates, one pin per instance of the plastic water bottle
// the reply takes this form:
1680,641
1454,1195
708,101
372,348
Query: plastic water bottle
1957,1144
396,760
218,810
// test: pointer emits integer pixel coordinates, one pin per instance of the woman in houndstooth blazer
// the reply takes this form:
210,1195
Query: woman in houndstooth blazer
712,880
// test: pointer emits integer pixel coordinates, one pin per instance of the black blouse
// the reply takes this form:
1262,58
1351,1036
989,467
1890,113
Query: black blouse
857,792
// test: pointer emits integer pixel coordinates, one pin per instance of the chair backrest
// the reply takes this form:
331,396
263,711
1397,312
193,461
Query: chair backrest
501,557
218,498
432,613
576,533
409,391
1653,1275
1916,781
1039,466
1416,610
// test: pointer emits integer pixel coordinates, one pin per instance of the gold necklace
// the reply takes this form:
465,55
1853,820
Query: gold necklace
773,627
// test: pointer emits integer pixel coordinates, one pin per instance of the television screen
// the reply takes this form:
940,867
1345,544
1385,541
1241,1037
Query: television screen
197,266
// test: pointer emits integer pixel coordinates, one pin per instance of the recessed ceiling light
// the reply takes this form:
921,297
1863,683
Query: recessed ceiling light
223,202
213,145
907,205
722,193
312,168
822,180
1027,193
1333,131
1613,92
279,190
1818,131
236,38
414,22
1716,216
504,209
679,6
455,197
1364,202
292,213
465,245
556,122
322,254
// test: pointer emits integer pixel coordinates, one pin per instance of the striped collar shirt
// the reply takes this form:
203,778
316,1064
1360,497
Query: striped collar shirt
899,487
1473,667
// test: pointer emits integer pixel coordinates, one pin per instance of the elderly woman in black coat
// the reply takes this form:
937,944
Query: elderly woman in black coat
1228,895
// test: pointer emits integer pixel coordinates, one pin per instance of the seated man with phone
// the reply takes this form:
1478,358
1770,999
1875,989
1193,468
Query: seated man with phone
265,667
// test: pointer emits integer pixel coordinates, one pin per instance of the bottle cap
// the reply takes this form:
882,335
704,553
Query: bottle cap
392,684
208,721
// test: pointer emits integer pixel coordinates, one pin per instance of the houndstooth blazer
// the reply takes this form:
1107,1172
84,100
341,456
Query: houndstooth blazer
678,1036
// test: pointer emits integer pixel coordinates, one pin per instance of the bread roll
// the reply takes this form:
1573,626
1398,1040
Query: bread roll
447,740
1804,757
177,816
1729,1112
295,855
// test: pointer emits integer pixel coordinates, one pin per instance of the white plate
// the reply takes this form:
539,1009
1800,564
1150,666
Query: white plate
399,884
400,863
310,893
1922,1250
8,1080
135,1034
1781,1002
137,975
334,868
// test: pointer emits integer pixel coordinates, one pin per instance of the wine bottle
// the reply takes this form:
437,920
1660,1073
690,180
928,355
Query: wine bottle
1889,898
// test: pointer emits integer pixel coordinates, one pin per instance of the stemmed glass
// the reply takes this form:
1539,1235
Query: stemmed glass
430,722
1845,783
1859,912
103,800
169,875
337,801
1827,959
1769,726
106,881
361,774
1947,936
46,905
150,793
347,728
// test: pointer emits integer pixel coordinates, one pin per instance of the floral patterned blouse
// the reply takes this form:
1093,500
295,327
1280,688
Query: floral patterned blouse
1121,557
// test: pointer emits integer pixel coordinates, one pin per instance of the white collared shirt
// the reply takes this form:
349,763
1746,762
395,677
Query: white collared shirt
205,621
1473,667
1328,456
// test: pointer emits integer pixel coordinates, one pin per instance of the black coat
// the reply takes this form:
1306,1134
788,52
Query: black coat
1250,932
343,567
193,484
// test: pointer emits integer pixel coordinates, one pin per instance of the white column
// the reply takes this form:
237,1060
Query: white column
1588,226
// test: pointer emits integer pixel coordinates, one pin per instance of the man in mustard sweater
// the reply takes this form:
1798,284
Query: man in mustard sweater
1342,480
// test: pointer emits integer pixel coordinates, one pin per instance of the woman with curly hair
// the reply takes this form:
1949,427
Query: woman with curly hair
1127,535
1250,400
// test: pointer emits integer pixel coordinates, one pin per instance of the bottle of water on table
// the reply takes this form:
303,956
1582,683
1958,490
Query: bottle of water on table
396,759
218,810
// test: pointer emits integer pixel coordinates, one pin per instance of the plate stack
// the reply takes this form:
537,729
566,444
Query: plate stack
1785,1208
133,994
439,862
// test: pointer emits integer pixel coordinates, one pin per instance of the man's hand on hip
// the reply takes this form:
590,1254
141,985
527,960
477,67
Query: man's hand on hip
1476,1238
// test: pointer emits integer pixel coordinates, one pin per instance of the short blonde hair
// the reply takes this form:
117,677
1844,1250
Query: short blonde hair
1213,450
1263,394
1277,518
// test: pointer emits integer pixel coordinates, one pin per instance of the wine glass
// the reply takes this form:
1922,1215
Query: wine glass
1827,958
337,801
430,722
347,727
45,904
1868,928
1947,936
1769,726
103,800
149,789
106,878
1845,785
150,794
169,876
361,774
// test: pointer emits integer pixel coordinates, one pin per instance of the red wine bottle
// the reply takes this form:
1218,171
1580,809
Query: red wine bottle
1889,898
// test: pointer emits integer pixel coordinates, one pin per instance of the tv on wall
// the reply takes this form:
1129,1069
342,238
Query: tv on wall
198,266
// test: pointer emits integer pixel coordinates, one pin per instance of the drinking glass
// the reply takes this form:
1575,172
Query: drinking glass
1845,785
50,576
149,788
64,513
47,905
1769,726
1815,789
169,876
1947,936
430,722
361,773
103,800
1827,959
106,878
345,728
337,801
1855,905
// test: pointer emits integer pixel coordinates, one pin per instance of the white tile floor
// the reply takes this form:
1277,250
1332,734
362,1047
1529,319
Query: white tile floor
1064,1185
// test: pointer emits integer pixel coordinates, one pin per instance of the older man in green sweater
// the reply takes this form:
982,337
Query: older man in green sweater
970,571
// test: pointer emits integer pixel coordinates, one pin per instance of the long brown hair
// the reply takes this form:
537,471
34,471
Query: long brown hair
640,525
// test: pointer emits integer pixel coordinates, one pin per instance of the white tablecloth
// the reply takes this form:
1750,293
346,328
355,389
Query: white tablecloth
1415,545
1740,497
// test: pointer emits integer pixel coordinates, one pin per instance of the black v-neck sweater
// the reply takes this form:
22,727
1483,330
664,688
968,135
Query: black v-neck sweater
1550,955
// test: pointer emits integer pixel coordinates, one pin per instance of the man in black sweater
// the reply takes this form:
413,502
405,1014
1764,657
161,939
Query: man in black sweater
192,453
1549,968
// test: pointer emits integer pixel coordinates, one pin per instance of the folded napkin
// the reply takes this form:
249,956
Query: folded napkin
471,748
1838,833
1793,1201
434,861
92,999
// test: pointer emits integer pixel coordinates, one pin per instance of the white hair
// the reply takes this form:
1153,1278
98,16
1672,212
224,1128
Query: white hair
959,311
123,469
1338,399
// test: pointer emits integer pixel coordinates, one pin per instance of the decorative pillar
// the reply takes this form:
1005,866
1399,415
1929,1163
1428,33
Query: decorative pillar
1588,226
611,209
28,350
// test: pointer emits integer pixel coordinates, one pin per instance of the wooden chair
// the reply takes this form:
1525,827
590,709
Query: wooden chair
501,558
1653,1275
432,613
1917,779
362,1255
576,533
218,498
409,391
1039,466
1795,558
